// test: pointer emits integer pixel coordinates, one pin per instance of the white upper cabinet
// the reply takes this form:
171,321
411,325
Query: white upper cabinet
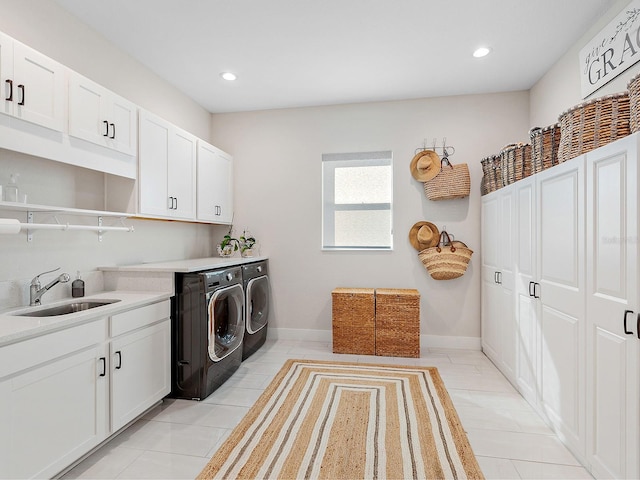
214,185
33,85
167,164
100,116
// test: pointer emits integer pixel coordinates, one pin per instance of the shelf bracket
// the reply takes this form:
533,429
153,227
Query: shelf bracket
100,232
29,220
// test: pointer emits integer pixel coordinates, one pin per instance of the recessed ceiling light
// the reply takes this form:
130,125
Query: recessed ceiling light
228,76
482,52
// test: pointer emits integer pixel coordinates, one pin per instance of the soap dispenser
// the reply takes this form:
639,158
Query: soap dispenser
11,190
77,287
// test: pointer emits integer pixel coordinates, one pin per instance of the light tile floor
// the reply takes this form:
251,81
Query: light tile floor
176,439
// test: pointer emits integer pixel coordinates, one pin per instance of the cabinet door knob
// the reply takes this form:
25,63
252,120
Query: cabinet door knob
106,128
21,87
624,322
10,97
119,364
103,360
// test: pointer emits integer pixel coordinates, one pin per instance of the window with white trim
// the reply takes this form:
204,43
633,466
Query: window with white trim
357,198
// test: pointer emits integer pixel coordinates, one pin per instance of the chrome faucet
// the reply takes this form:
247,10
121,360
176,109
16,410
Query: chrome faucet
36,290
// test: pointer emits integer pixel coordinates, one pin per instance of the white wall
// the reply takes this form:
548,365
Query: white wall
278,197
559,89
43,25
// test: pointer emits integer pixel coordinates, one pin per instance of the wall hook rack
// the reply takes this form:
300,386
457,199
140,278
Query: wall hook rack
443,150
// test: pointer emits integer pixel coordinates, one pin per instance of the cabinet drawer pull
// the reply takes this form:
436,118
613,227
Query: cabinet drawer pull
21,87
119,364
624,322
10,97
113,127
103,360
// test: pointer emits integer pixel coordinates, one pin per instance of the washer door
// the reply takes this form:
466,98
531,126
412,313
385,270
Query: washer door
226,326
257,312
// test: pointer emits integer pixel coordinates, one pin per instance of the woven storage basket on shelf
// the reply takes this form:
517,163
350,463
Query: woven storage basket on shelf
445,261
593,124
544,147
491,178
634,103
354,320
515,161
397,322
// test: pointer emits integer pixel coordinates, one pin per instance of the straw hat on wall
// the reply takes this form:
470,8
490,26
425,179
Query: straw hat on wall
425,165
424,235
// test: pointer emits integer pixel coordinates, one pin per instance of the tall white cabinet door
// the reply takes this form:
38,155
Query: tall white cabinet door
490,309
613,341
562,294
140,372
153,163
507,317
527,328
214,184
38,88
182,174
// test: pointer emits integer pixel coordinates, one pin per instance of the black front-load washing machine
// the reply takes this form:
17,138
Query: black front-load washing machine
257,305
208,329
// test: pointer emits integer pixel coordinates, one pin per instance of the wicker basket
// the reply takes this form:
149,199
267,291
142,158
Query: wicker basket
397,322
492,177
453,181
593,124
634,103
446,261
354,320
515,161
544,147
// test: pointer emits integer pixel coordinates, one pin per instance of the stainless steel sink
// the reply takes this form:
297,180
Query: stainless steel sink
67,308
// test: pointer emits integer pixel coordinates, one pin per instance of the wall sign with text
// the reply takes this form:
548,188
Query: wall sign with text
612,51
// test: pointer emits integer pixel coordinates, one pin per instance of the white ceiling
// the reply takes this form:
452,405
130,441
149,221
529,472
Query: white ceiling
291,53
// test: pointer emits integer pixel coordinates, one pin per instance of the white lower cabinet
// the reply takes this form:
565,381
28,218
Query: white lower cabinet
63,393
136,380
53,407
577,305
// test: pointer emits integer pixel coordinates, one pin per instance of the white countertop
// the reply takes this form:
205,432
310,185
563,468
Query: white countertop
185,266
15,328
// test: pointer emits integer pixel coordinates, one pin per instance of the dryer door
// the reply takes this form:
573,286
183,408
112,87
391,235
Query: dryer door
226,326
257,308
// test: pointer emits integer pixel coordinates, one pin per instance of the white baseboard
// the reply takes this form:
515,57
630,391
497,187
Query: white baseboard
426,341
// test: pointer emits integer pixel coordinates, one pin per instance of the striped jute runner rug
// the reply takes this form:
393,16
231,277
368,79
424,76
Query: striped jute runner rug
348,421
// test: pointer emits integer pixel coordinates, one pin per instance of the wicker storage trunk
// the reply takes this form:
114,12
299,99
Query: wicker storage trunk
354,320
593,124
544,147
397,322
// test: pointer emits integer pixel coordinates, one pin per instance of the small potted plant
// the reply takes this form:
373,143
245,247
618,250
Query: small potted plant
228,245
247,244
